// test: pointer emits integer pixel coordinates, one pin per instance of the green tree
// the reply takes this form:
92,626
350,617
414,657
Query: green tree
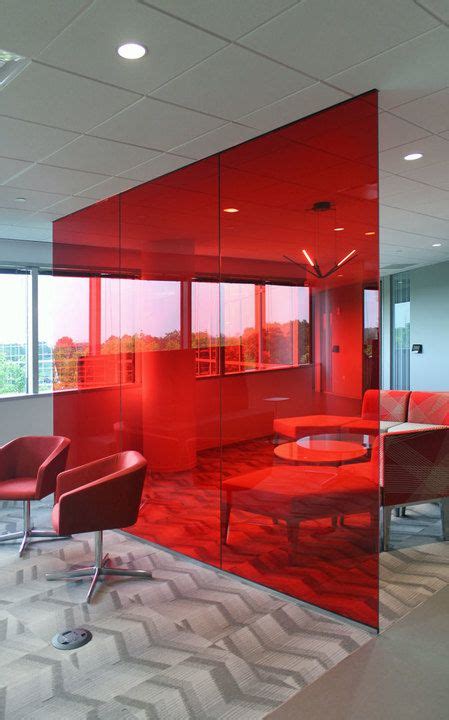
12,377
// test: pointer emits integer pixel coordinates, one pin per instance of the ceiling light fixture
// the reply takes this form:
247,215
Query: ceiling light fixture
370,233
322,206
413,156
338,229
132,51
230,210
20,199
10,66
436,245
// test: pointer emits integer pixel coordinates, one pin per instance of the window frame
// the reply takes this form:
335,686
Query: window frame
34,271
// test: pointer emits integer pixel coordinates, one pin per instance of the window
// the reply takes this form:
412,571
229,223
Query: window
70,332
370,339
264,327
400,346
14,296
63,336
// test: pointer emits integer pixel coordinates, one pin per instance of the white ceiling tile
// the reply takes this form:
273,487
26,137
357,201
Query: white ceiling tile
52,97
173,46
28,141
161,165
436,174
410,70
393,131
402,239
433,202
232,83
431,111
9,168
294,106
93,154
27,27
212,142
69,205
321,38
155,124
33,200
413,222
390,185
440,8
229,19
434,149
55,179
109,187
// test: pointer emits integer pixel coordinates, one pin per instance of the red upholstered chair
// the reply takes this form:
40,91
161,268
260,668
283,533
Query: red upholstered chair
101,495
28,470
413,468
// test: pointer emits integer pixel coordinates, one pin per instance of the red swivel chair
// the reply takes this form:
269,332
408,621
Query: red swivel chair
101,495
29,467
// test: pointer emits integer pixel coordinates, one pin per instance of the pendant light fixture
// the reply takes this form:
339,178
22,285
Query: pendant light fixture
312,266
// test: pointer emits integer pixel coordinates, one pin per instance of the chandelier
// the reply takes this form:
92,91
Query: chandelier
312,266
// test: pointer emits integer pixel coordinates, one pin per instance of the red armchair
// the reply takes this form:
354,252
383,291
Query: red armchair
413,468
101,495
28,470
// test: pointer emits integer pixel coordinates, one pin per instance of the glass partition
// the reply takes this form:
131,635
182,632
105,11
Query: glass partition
230,338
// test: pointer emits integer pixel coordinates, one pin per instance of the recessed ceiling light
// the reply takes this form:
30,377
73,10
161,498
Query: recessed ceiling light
338,229
230,210
20,199
132,51
413,156
370,233
436,245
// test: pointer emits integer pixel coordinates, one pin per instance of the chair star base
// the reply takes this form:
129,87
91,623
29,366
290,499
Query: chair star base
28,532
98,571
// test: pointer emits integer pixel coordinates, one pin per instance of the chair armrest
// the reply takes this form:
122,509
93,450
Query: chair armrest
84,474
103,503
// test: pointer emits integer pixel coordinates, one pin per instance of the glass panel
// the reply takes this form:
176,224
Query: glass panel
14,334
169,239
302,518
83,301
401,332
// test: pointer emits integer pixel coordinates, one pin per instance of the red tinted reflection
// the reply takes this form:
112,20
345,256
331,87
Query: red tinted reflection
234,349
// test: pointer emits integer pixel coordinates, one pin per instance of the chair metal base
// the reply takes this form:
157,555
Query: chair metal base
30,532
98,571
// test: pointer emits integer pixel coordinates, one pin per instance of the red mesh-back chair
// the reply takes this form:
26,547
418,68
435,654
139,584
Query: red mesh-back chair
28,470
101,495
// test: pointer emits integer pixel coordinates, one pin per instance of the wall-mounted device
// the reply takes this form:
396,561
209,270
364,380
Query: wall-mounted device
416,348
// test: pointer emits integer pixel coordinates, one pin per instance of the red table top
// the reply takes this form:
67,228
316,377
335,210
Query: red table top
320,452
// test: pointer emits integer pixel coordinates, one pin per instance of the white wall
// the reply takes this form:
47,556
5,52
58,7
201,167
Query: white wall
429,326
25,415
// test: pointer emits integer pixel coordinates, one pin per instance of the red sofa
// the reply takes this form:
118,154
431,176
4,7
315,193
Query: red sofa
382,410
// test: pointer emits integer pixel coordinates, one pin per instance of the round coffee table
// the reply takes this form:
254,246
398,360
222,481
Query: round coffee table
323,449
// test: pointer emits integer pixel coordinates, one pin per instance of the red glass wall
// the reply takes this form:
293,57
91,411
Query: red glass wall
227,303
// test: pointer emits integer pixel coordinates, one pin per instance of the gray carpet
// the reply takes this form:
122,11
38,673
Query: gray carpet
192,643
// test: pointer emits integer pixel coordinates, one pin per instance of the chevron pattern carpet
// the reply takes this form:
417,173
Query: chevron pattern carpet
192,643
